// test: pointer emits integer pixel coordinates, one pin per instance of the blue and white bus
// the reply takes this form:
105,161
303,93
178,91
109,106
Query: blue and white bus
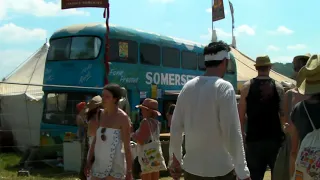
146,64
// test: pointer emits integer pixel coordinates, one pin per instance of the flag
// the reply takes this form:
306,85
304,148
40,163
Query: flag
68,4
217,10
232,12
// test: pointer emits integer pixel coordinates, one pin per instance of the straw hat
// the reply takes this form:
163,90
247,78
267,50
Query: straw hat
150,104
263,61
93,103
308,80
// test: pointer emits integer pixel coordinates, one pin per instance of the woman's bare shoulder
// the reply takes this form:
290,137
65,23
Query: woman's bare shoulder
122,116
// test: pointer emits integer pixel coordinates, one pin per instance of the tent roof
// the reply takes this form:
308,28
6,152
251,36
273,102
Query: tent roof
246,69
30,72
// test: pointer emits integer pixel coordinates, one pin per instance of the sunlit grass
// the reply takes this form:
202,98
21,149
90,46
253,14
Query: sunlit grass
10,159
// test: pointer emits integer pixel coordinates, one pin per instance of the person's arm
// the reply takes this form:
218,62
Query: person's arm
280,91
79,121
243,105
285,108
176,134
91,150
231,131
125,134
143,133
294,143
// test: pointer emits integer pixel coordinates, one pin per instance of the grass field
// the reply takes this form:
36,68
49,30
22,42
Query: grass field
9,160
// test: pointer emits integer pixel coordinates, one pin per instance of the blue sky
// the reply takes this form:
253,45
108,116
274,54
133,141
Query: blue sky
281,29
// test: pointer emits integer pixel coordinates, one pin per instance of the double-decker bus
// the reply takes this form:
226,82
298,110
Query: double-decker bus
146,64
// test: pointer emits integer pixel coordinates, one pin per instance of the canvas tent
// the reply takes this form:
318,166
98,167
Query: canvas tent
246,69
21,105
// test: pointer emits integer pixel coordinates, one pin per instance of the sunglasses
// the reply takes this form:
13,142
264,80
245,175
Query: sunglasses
103,136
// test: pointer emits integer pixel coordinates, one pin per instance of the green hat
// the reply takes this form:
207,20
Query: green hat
307,56
263,61
308,79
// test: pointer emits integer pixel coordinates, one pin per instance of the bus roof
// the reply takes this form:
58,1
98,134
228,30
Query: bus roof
99,29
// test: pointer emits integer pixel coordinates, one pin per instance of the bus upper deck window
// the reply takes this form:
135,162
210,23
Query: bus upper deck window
189,60
59,49
150,54
201,65
85,47
123,51
170,57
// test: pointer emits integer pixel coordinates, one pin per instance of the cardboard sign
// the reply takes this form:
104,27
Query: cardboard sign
68,4
123,50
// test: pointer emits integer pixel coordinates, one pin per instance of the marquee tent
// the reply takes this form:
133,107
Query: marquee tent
246,69
21,104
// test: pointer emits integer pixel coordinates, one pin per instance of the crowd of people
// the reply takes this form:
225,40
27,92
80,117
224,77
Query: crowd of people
223,140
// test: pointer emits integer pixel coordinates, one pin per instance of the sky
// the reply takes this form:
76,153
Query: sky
280,29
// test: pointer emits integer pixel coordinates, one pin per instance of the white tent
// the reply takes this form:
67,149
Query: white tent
21,104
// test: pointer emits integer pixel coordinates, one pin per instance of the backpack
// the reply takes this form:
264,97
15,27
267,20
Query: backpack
307,166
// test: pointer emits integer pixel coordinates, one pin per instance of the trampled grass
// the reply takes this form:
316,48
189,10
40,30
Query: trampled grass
7,171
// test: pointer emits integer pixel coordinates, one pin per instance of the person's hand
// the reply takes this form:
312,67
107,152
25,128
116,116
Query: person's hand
286,128
87,169
129,175
175,169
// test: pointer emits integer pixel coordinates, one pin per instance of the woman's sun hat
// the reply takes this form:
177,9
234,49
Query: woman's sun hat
308,79
94,103
150,104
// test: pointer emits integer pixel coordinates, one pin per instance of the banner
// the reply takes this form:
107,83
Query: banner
232,13
68,4
217,10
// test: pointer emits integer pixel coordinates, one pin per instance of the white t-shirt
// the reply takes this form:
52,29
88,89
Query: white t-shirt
206,112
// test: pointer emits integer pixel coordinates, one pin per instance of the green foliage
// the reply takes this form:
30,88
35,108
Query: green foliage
284,69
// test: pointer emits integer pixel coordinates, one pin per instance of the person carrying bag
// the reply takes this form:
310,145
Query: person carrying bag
150,158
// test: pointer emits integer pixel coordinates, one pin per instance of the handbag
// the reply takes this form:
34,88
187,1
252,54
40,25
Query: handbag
150,155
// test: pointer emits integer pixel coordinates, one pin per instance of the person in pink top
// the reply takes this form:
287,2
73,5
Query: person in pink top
149,124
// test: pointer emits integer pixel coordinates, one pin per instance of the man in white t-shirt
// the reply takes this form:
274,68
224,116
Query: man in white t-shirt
206,112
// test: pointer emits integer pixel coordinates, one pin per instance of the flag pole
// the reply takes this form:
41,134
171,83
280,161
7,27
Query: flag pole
213,29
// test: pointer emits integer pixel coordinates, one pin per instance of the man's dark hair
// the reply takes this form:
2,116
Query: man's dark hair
115,90
262,68
214,48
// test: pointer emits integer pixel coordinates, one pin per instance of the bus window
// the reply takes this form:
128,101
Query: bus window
74,48
59,49
189,60
150,54
123,51
201,65
85,47
170,57
60,108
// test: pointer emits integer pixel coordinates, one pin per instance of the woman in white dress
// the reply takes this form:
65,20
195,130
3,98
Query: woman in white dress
110,156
